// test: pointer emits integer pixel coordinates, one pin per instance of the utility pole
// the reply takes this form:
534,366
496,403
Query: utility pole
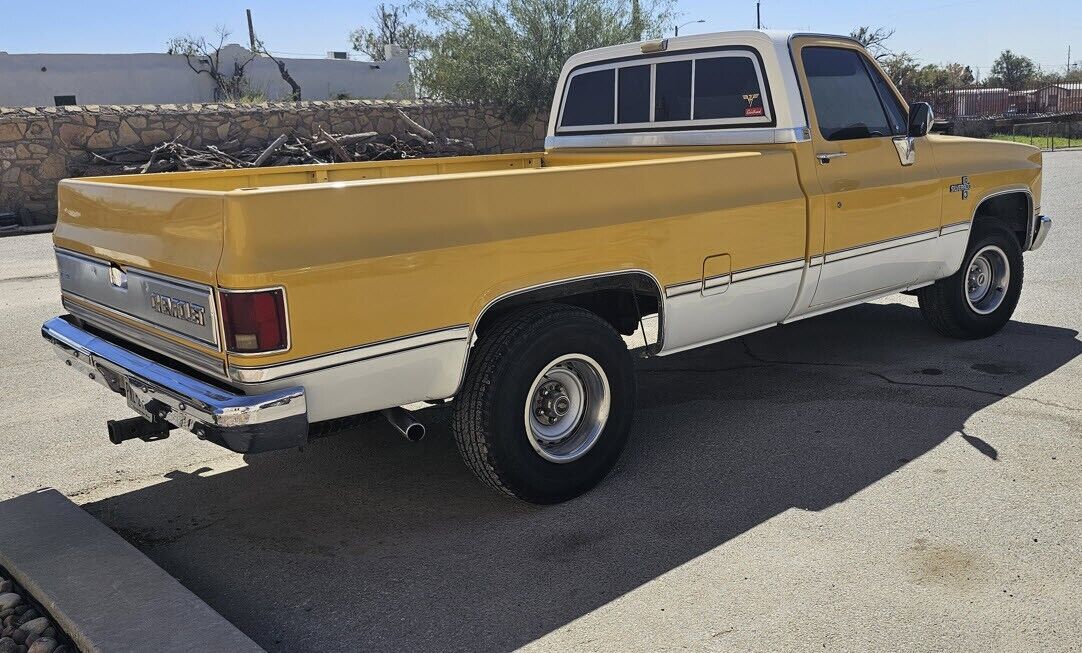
758,19
690,22
251,30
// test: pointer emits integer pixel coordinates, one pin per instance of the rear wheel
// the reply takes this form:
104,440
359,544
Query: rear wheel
547,403
978,299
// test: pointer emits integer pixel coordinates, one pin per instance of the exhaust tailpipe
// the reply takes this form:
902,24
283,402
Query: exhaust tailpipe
121,430
403,422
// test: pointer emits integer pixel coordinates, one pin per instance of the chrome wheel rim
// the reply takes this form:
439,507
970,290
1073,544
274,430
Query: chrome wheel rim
987,280
567,407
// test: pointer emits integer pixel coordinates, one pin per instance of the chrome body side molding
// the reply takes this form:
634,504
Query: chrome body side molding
755,298
266,373
431,369
737,276
872,248
953,228
423,366
864,269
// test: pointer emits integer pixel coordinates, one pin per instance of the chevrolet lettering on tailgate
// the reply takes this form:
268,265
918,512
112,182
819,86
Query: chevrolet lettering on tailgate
178,308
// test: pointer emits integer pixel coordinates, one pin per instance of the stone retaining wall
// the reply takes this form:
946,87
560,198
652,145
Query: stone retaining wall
41,146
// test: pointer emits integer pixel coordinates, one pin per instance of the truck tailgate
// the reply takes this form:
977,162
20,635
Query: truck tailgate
173,232
140,263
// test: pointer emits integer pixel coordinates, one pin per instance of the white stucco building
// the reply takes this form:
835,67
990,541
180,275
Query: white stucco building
50,79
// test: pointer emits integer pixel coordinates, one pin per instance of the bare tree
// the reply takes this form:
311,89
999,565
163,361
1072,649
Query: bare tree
295,88
874,39
205,58
259,47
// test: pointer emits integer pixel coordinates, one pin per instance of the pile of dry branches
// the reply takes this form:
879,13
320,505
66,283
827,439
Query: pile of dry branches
287,149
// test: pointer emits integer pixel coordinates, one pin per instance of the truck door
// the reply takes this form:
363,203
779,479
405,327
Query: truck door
883,198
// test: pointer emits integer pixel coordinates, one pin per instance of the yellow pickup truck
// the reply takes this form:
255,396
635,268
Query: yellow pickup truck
718,184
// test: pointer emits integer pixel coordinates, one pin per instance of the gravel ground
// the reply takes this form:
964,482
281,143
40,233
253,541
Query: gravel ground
848,482
24,625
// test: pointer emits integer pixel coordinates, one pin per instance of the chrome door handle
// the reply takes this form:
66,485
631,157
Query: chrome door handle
825,158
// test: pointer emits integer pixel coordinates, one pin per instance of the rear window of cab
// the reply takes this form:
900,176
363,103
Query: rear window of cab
680,91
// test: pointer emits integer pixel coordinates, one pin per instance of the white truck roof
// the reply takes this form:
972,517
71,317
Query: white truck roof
790,123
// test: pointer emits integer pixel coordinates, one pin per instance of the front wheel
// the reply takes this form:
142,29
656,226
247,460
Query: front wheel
978,299
546,406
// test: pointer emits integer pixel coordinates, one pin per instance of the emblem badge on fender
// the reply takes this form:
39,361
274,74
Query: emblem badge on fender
962,187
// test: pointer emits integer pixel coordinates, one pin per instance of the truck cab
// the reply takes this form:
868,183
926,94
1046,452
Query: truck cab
724,183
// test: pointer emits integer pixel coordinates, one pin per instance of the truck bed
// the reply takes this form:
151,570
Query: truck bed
344,240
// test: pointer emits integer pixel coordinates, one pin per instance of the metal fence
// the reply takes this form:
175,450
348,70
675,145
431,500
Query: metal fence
1046,134
1049,98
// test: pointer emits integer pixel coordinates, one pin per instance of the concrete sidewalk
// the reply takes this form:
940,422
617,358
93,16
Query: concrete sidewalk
104,593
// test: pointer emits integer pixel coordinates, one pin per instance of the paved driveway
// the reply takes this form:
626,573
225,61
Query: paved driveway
848,482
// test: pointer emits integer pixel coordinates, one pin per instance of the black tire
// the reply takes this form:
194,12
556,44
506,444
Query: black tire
489,420
945,304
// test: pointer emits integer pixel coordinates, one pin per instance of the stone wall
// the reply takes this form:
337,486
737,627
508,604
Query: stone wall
41,146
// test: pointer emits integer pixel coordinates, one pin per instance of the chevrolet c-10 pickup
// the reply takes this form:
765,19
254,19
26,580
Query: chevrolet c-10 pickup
718,184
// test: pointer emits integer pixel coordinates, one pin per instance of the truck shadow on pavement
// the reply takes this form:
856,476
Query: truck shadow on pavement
365,541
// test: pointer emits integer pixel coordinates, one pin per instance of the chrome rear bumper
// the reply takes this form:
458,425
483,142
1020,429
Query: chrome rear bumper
1044,225
276,419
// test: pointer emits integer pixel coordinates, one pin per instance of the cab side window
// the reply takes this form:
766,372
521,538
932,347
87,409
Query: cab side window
847,104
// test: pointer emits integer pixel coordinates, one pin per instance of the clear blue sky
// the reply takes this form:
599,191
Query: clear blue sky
969,31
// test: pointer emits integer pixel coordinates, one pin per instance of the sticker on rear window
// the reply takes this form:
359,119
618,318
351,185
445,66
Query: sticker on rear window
750,98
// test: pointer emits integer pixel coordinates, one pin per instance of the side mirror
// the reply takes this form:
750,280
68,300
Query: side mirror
920,119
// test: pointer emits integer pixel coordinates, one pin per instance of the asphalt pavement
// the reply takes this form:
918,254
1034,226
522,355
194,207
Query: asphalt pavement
847,482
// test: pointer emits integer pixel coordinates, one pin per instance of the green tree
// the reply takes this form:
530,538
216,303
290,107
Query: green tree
933,78
1013,70
510,52
902,69
959,75
390,26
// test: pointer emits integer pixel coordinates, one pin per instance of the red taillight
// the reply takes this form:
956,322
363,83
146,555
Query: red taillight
254,321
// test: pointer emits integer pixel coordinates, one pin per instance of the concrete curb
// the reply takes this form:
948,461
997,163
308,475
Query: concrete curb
103,592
